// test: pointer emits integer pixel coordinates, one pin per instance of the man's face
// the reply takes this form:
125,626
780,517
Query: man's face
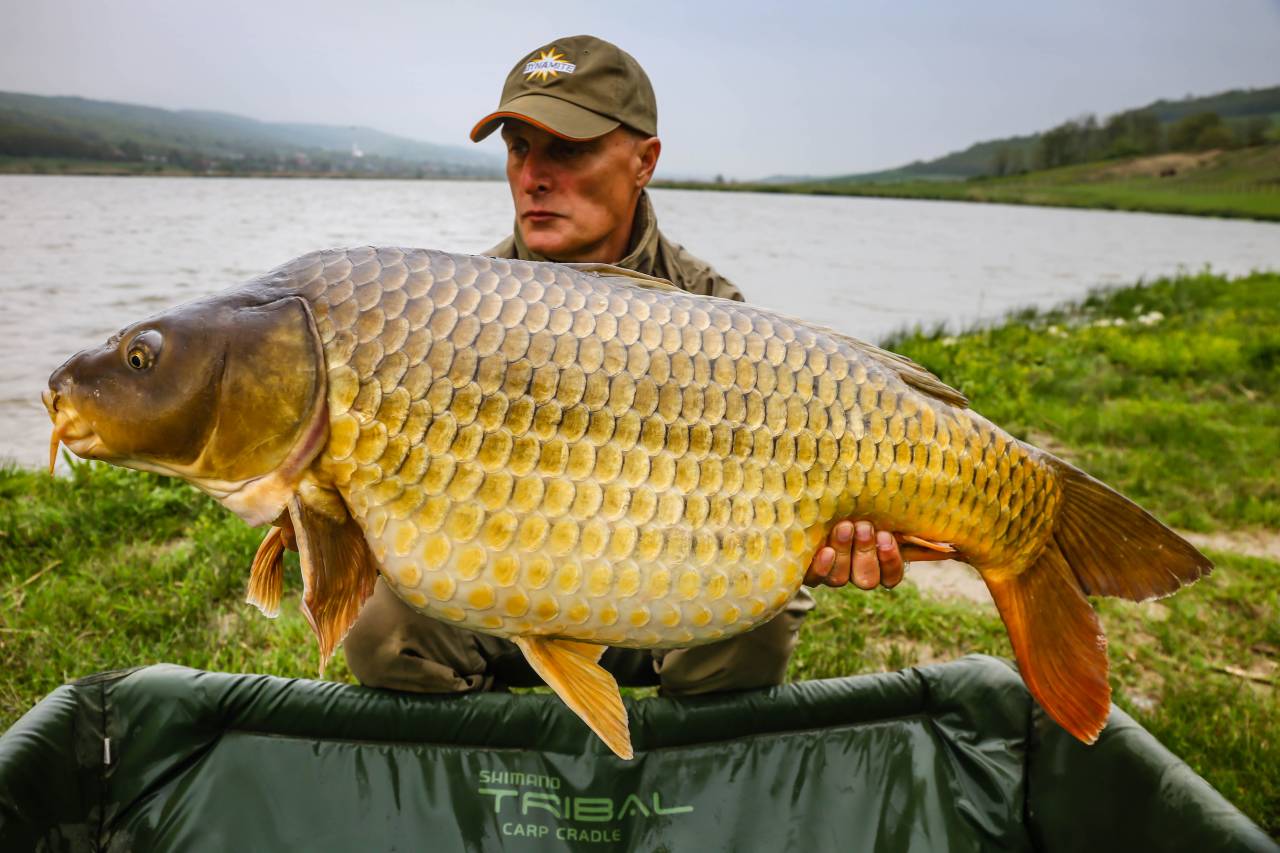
575,201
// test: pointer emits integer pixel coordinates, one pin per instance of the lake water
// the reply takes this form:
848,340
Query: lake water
81,256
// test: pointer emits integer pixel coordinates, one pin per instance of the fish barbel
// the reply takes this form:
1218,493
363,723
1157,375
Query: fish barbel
581,456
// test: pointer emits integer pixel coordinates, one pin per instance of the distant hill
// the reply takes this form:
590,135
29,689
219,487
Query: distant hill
35,125
1235,106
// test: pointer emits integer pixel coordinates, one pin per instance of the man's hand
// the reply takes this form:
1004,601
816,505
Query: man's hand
856,551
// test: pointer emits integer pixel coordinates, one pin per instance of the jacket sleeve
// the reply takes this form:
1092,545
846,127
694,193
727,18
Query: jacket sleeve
693,274
722,287
505,249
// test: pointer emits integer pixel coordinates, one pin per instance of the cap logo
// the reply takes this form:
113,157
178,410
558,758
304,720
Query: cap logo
550,63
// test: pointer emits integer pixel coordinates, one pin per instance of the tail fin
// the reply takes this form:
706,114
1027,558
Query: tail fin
1115,547
1061,651
1102,544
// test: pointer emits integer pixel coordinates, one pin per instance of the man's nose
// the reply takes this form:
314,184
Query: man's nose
535,176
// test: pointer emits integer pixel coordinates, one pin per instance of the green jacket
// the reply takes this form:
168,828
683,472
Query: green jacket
650,253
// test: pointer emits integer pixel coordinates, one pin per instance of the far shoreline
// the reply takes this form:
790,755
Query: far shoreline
68,169
1043,189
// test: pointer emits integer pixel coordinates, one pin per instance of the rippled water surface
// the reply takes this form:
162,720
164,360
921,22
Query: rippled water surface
81,257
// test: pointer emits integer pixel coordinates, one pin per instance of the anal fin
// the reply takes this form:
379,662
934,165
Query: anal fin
573,671
1060,647
940,547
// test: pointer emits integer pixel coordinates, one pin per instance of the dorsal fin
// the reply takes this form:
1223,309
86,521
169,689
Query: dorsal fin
637,278
908,371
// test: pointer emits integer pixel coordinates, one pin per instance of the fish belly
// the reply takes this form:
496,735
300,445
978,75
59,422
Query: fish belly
536,450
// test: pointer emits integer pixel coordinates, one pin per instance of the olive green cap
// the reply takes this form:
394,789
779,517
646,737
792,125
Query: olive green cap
578,88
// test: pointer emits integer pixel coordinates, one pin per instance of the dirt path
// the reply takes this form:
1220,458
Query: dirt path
1162,165
1250,543
948,579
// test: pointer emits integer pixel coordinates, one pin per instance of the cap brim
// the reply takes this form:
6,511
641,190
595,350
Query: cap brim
566,120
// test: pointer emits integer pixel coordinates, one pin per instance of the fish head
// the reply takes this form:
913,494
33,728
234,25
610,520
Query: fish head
227,393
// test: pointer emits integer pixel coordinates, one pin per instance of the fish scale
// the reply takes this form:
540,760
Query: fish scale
537,450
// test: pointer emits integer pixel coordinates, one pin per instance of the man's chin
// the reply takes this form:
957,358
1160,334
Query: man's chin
549,240
552,249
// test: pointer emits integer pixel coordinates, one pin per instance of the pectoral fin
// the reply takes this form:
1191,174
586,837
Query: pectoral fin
338,571
573,671
266,576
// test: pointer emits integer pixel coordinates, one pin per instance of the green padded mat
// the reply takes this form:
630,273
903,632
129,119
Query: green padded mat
952,757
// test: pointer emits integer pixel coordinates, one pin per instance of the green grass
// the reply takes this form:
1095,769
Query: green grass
1169,391
1242,184
109,569
1176,406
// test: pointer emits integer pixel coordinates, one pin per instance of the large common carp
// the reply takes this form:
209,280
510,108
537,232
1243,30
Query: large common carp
578,456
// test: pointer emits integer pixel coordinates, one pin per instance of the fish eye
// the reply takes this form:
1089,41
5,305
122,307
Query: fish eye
143,349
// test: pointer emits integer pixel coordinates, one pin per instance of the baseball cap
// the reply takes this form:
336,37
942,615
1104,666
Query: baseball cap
578,87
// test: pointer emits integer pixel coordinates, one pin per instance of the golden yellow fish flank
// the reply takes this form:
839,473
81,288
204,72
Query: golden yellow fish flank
575,457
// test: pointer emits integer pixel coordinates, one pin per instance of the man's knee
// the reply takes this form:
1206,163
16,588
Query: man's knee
393,646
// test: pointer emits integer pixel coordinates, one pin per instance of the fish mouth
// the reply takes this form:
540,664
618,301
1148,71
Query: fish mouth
69,428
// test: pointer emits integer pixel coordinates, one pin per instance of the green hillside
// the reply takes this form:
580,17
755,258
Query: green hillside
34,126
1241,184
1237,109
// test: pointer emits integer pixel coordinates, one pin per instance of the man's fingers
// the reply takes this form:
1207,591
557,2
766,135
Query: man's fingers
856,551
820,567
866,564
841,542
890,559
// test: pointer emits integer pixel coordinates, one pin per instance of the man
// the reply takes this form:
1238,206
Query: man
579,120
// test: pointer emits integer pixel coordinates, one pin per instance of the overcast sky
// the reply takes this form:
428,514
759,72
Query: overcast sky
747,90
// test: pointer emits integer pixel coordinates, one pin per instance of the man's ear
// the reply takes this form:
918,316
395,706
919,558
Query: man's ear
647,152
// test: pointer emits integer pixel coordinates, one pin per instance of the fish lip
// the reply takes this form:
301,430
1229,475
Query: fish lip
70,429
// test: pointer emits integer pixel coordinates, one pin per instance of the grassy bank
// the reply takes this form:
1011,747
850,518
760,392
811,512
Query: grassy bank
1168,391
1171,392
1243,184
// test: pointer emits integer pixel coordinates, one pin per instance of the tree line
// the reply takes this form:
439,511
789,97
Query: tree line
1128,134
19,140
